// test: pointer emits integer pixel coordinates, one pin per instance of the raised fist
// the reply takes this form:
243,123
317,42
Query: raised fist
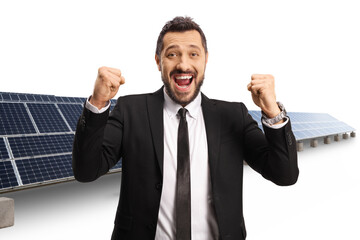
107,85
262,88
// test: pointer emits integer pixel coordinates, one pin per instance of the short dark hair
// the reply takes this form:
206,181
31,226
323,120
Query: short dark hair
179,24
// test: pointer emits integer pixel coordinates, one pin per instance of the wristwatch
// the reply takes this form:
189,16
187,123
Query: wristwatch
277,118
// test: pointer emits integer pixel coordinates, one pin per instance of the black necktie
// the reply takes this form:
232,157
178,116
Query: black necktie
183,193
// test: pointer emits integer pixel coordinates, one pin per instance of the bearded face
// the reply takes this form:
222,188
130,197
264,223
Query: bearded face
182,65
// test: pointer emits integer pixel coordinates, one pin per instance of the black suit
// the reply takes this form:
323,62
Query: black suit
134,131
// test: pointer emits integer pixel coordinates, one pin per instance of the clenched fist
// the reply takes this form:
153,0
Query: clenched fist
262,88
107,85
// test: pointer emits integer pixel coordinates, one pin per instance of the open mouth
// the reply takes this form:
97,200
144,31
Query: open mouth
183,81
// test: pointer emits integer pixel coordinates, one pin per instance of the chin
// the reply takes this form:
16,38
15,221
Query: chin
182,98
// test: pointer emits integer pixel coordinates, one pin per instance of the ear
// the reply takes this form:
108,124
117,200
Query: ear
206,57
157,60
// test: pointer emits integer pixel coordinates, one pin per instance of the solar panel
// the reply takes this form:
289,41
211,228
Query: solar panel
45,98
311,125
38,98
36,138
81,100
71,112
37,132
30,97
112,104
14,97
23,98
31,146
6,96
7,175
3,150
59,99
66,99
47,118
14,119
117,166
38,170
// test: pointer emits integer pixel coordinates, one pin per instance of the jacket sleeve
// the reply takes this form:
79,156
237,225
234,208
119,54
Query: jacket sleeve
274,154
97,143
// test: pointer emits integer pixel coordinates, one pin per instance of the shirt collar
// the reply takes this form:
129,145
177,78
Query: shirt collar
172,108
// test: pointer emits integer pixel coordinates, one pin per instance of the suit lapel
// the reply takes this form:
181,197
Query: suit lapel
212,125
155,104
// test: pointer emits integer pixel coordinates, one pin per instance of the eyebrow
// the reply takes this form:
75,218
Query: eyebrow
177,46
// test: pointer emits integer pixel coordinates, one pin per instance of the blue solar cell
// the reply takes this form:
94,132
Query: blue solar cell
59,99
30,97
3,150
22,97
38,98
7,175
14,119
45,98
299,135
52,98
40,145
72,99
14,97
47,118
66,99
6,96
71,112
81,100
42,169
295,127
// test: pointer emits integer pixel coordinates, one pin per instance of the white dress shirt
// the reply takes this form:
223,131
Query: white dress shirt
203,222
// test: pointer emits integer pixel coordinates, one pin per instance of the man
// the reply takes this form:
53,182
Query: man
182,153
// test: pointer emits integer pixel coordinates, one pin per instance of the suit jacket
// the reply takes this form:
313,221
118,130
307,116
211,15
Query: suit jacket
134,132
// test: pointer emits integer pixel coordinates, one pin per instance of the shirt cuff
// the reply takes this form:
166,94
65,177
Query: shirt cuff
94,109
276,126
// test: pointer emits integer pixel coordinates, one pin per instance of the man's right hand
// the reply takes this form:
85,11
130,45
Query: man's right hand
107,85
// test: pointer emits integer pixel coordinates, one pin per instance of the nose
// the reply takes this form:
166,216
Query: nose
183,64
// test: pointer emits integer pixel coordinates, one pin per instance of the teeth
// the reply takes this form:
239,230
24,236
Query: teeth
185,86
183,77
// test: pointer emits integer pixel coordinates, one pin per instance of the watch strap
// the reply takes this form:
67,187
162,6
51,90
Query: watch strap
277,118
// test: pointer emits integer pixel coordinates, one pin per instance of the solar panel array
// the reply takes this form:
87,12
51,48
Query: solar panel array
311,125
36,137
37,132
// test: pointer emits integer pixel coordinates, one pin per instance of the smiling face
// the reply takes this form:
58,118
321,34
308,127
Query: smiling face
182,65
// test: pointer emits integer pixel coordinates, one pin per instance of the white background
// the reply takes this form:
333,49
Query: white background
311,47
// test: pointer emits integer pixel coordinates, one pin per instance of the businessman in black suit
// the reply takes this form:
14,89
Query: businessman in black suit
144,130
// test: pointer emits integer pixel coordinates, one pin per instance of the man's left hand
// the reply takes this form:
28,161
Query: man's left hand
262,88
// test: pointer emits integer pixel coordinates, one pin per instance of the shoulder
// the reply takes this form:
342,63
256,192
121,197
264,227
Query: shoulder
232,116
232,113
139,98
138,104
133,97
224,106
227,104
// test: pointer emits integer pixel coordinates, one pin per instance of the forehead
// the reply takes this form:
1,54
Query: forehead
182,39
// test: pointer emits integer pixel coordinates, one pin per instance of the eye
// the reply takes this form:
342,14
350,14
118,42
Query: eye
194,54
171,55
